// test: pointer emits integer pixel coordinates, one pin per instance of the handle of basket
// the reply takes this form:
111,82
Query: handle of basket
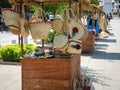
59,11
23,11
68,10
36,14
14,6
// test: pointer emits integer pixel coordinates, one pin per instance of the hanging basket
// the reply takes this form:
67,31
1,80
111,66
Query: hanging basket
11,18
75,29
38,27
74,47
24,27
15,32
57,25
61,42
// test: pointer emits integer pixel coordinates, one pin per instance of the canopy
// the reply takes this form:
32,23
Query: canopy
45,1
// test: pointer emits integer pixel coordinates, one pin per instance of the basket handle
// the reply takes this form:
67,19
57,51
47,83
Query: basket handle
36,15
68,12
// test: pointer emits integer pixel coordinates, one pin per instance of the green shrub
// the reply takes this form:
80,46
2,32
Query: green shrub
12,52
29,48
52,35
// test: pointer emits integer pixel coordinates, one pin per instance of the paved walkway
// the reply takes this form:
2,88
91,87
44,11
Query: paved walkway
103,65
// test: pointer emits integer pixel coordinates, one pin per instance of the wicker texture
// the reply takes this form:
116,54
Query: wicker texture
75,29
50,74
88,43
74,47
38,27
57,25
16,32
60,41
11,18
24,27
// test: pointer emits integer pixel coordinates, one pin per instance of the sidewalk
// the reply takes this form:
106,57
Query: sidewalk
103,65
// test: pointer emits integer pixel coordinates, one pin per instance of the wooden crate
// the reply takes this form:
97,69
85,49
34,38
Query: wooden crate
50,74
88,43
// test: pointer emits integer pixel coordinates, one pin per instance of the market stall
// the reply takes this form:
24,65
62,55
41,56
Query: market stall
93,26
53,70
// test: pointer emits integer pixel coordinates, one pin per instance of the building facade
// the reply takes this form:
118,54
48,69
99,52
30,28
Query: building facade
116,7
106,5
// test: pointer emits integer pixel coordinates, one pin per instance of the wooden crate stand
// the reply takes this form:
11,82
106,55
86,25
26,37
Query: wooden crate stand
50,74
88,43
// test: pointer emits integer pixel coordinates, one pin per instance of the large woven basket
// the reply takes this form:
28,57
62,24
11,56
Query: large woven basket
38,27
50,74
11,18
88,43
75,29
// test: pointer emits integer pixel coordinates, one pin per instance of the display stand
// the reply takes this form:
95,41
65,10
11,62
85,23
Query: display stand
50,74
88,43
59,73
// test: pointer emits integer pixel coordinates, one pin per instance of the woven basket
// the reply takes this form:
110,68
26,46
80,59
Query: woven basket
50,74
61,42
11,18
75,29
85,30
15,32
39,28
57,25
24,24
24,27
88,43
64,49
74,47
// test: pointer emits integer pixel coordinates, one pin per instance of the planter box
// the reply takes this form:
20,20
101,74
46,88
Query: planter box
50,74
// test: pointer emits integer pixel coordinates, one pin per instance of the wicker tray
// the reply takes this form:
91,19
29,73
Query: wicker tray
52,72
88,44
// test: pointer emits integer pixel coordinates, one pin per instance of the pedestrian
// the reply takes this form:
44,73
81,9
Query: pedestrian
109,17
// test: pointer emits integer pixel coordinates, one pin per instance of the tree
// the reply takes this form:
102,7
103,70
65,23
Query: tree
52,8
4,4
94,2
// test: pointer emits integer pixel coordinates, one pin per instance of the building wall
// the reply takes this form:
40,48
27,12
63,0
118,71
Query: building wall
107,6
116,6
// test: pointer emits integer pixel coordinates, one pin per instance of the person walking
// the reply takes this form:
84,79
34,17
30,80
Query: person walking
109,16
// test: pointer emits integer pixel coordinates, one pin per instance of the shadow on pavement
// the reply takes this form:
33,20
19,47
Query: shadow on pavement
96,76
106,40
105,55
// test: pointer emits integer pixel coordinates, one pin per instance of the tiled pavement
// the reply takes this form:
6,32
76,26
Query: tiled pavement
102,66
